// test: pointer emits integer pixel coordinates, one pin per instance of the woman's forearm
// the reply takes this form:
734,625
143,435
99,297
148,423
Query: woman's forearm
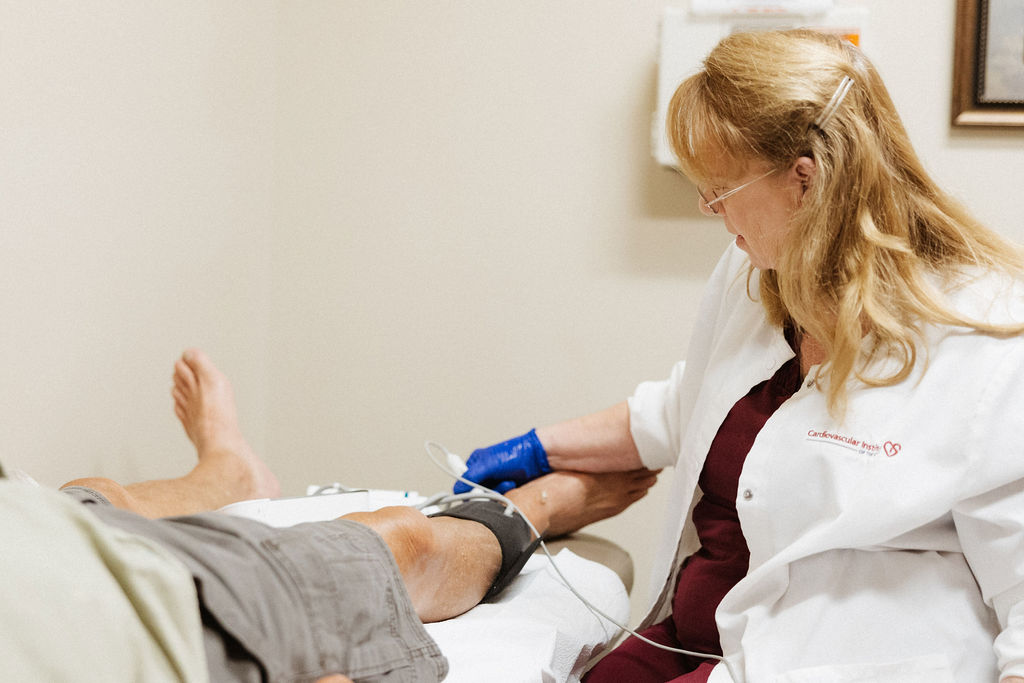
599,442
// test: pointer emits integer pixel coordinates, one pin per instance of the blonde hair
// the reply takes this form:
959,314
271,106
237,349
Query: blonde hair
872,226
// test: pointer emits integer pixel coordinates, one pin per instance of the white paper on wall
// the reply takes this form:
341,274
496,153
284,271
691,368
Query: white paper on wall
708,7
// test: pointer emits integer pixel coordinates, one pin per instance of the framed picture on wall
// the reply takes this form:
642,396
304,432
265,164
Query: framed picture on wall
988,67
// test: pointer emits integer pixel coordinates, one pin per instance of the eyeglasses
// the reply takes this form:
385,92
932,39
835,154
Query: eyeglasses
708,207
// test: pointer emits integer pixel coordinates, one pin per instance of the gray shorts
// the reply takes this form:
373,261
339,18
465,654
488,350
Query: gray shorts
292,604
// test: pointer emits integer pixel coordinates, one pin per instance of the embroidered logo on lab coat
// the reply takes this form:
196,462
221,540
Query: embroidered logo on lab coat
854,443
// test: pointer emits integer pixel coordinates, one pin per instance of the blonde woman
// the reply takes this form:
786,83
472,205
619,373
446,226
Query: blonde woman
848,407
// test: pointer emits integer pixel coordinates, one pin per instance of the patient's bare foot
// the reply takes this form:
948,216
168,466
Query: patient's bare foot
564,501
205,404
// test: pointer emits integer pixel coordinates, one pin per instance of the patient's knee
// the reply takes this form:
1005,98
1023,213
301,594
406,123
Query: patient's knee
405,530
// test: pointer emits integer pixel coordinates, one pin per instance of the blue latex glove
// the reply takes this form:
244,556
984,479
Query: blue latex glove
505,465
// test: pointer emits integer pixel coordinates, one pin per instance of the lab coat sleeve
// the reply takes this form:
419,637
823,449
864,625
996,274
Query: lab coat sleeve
653,420
990,520
659,411
991,530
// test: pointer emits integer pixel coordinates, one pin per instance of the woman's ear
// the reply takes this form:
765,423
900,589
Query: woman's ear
804,168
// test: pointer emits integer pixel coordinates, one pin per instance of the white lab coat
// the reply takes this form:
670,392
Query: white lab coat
888,547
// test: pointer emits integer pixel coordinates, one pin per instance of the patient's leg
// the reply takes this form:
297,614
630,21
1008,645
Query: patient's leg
227,470
565,501
448,564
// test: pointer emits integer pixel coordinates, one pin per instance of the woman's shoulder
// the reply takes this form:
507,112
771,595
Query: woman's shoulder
989,296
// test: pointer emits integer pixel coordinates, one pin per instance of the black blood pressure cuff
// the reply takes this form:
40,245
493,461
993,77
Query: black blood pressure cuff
512,532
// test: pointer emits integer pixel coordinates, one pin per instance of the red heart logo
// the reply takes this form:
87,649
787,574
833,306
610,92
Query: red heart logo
891,448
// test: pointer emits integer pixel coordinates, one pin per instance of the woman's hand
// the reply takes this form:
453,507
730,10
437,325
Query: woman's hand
599,442
506,465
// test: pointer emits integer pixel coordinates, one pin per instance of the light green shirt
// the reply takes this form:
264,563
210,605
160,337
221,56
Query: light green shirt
82,601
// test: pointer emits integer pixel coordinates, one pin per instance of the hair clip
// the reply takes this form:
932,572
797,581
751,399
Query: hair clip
833,104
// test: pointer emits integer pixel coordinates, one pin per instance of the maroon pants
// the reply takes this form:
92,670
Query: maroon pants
637,662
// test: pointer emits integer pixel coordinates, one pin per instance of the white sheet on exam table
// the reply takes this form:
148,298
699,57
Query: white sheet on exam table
536,630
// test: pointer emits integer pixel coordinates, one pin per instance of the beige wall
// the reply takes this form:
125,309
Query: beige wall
136,205
388,221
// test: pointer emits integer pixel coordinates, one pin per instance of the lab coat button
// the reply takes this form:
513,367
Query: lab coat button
747,494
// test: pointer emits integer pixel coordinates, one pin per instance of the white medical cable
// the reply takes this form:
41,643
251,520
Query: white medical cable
484,492
446,498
